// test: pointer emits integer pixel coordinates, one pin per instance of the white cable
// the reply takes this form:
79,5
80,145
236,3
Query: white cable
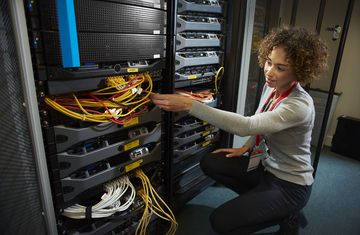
110,201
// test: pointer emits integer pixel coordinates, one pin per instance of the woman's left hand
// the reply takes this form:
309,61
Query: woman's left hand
233,152
172,102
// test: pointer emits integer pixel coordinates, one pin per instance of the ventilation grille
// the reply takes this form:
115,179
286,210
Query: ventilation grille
20,206
96,16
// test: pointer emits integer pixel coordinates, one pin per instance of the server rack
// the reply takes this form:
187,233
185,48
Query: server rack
78,48
199,45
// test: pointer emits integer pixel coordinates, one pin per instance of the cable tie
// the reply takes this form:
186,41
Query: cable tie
88,212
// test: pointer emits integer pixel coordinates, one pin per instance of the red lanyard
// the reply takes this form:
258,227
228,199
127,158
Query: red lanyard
278,100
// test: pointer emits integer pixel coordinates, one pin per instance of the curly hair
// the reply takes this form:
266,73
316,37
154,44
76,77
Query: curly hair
305,51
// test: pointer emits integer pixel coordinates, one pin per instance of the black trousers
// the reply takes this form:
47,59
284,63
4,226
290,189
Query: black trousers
263,198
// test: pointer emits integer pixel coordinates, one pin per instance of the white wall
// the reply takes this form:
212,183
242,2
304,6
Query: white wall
349,77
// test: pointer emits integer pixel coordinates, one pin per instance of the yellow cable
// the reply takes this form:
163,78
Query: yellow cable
90,117
127,100
218,76
155,195
79,105
70,113
151,198
145,97
118,83
146,216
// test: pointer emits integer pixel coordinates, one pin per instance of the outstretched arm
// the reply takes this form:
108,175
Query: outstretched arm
289,113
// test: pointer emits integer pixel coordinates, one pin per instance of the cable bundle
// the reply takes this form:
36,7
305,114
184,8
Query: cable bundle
110,201
121,100
152,205
205,96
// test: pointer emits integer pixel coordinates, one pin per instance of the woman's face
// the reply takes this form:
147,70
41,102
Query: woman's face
278,72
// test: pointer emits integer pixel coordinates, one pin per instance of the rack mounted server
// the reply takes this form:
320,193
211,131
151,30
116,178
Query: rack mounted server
200,44
82,39
207,6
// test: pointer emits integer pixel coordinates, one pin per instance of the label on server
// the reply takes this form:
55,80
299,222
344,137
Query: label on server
205,133
131,145
133,165
206,143
132,70
133,121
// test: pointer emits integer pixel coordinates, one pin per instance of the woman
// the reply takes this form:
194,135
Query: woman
280,185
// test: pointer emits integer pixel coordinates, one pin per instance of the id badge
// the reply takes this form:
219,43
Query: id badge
258,153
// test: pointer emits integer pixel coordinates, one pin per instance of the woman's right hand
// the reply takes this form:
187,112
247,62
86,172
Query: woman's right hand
172,102
233,152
